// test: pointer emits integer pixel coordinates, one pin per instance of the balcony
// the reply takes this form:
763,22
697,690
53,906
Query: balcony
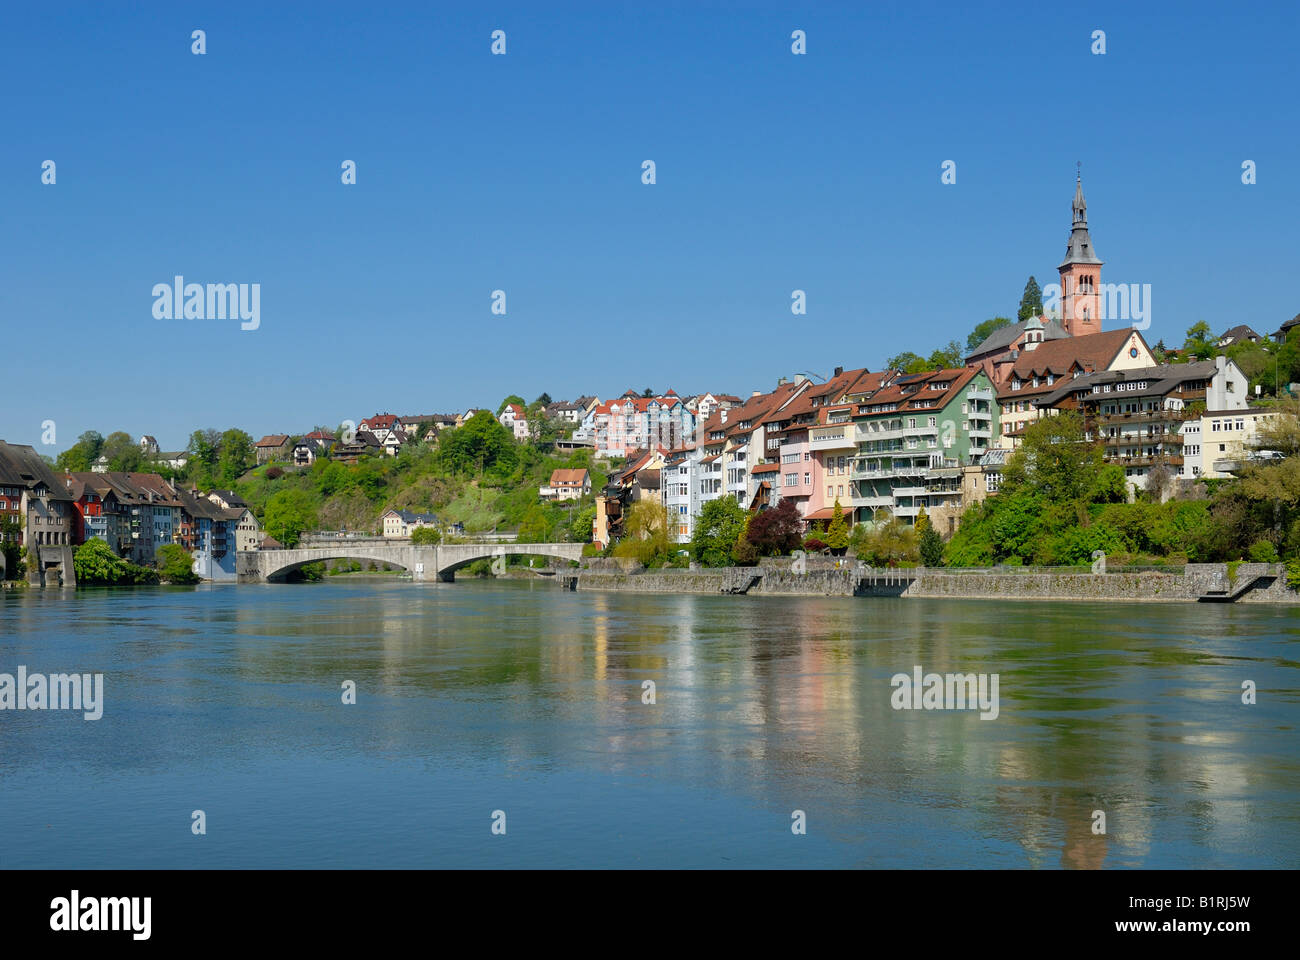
832,438
910,491
1170,460
976,394
980,434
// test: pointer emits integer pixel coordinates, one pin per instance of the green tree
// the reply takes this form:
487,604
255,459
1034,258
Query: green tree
95,564
513,398
536,525
930,544
481,445
1031,301
904,361
235,457
426,536
720,525
1200,340
837,531
581,523
947,357
81,456
984,330
1054,460
123,453
175,565
645,533
544,399
289,514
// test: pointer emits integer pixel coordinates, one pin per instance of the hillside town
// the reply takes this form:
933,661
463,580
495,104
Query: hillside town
916,440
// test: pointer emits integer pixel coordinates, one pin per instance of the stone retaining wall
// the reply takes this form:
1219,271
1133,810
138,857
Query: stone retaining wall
779,579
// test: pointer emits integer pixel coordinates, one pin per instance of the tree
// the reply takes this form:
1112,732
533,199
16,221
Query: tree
536,525
580,524
930,544
984,330
645,533
289,514
81,456
776,531
482,444
719,527
123,452
837,532
513,398
1281,432
947,357
426,536
236,456
647,393
95,564
1200,340
888,542
1031,301
907,362
544,400
1055,460
175,565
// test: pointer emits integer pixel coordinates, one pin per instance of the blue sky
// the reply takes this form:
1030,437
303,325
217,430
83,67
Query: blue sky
522,172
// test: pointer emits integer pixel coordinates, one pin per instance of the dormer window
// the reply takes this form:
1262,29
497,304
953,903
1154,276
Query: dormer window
1015,384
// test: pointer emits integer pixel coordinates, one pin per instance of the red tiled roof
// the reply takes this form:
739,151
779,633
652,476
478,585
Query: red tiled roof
273,440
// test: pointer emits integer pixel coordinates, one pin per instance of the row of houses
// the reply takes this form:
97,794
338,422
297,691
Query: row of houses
893,444
134,513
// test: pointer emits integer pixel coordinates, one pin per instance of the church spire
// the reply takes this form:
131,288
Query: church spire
1080,272
1079,248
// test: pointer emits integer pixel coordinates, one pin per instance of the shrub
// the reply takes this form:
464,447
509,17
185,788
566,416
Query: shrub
815,545
274,473
1262,551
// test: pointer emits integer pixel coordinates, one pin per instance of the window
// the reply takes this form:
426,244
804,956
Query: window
911,423
829,494
1015,383
807,478
934,421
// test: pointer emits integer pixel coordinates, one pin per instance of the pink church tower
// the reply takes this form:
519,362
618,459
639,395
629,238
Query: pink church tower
1080,274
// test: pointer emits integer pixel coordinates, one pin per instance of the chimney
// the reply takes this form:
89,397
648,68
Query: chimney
754,393
838,371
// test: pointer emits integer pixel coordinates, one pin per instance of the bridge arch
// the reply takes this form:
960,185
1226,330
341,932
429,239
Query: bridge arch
424,562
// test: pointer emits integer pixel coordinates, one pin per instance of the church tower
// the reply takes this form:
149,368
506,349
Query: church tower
1080,274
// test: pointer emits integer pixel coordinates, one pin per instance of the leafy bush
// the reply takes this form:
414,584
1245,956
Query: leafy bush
1262,551
175,565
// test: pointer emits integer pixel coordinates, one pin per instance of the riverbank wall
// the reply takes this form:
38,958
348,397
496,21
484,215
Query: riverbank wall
1242,583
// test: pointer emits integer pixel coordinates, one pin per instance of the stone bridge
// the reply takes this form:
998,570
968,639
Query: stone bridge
424,563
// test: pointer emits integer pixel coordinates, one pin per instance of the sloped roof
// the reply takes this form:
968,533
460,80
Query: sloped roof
1093,351
576,475
22,466
1003,337
273,440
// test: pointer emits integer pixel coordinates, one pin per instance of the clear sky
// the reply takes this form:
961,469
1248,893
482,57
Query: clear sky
522,173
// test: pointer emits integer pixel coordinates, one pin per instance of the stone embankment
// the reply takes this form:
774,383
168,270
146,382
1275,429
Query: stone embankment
827,577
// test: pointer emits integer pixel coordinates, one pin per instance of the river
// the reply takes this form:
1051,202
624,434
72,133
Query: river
517,697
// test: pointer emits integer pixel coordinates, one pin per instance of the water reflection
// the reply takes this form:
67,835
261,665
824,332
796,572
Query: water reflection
763,705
